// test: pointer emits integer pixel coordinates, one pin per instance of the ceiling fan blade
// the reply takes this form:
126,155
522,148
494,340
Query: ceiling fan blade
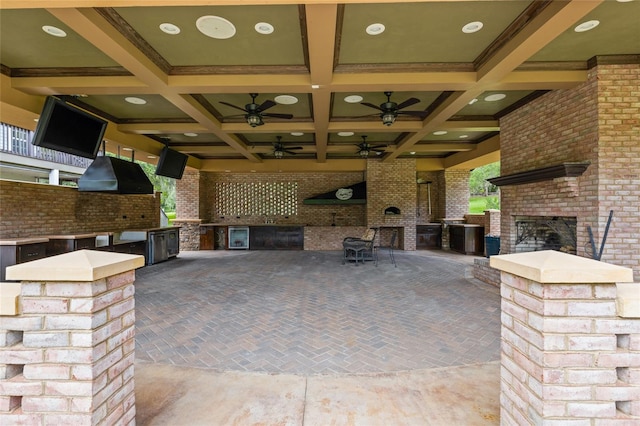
371,105
233,106
293,147
408,102
377,146
266,105
422,114
289,152
286,116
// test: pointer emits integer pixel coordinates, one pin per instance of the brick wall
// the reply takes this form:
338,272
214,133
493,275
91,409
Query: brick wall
393,184
568,357
453,190
597,122
309,185
68,358
31,209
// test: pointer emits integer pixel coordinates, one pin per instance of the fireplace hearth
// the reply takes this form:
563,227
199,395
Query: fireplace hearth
535,233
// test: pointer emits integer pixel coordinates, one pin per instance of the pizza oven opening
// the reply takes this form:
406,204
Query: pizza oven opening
392,211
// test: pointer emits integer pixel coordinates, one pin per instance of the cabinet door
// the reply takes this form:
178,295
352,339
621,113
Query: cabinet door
29,252
86,244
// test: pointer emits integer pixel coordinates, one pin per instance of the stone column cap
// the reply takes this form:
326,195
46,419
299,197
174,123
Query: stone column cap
550,266
80,265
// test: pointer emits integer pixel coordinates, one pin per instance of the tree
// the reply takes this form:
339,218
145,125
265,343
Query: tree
478,184
165,185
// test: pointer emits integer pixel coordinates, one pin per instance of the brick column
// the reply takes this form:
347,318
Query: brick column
570,341
67,357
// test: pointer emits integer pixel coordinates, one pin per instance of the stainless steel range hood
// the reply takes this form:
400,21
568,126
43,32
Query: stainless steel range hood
114,175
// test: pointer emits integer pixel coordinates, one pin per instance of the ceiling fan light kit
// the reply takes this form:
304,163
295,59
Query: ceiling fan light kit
390,110
255,113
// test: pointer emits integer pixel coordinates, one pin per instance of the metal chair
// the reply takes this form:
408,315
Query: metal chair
390,248
360,248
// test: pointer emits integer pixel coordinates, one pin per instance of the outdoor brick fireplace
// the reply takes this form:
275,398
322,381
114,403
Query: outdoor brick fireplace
545,202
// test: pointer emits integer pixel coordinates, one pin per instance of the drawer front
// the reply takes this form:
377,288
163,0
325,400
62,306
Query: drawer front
29,252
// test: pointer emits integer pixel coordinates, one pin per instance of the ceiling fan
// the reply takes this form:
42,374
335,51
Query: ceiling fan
365,148
279,149
255,112
391,110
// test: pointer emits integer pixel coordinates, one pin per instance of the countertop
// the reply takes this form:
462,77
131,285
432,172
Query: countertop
72,236
22,241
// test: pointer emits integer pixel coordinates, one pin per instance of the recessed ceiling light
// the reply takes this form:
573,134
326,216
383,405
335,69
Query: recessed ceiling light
127,149
54,31
463,136
264,28
151,156
215,27
286,99
624,1
472,27
297,134
315,86
412,153
440,132
169,28
227,171
345,134
190,134
586,26
375,29
353,99
495,97
135,101
473,101
253,171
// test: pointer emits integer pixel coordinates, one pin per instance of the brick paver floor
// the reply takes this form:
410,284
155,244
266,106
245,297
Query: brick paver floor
303,312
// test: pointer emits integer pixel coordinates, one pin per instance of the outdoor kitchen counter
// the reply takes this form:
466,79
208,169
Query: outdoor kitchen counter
19,250
59,244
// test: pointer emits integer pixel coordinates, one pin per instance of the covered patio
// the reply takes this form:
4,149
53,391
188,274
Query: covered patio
295,337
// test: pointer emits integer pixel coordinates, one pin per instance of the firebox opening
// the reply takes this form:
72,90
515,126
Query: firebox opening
535,233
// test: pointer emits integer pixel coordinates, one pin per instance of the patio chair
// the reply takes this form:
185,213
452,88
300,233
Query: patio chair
390,248
360,248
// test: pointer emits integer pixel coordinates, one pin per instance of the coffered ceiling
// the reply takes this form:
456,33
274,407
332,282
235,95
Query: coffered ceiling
189,62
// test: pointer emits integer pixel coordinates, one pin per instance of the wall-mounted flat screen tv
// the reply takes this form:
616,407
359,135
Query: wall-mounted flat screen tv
171,163
66,128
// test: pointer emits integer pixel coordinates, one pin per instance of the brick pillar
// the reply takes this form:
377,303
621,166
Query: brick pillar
492,222
188,195
67,357
570,341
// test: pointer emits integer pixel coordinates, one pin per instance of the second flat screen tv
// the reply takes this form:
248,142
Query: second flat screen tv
171,163
65,128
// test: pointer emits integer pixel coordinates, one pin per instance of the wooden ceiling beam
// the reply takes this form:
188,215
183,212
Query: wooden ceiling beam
321,22
95,29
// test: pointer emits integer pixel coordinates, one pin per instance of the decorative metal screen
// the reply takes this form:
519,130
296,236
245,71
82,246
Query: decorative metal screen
256,198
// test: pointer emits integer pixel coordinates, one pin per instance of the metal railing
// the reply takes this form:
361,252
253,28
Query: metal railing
17,141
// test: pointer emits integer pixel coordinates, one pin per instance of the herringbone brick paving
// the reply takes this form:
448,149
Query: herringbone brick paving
303,312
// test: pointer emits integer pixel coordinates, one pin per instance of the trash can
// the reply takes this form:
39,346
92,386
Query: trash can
492,245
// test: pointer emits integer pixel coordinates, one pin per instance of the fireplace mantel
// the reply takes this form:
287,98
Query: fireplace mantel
569,169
